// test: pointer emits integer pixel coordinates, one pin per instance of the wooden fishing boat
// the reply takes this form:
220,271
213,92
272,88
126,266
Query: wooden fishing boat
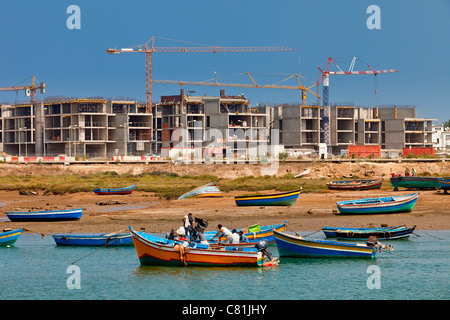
9,237
444,184
355,184
414,182
330,232
55,215
384,234
152,250
209,190
394,204
279,199
296,246
99,239
255,233
114,191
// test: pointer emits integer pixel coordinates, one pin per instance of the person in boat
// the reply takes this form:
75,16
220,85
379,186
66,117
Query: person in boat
202,237
243,237
188,223
223,232
235,238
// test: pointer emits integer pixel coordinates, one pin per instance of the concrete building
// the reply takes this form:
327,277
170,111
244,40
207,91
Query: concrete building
223,126
83,127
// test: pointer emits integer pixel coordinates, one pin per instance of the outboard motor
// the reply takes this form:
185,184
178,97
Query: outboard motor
263,247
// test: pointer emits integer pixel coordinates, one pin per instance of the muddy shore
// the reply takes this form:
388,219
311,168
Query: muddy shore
311,212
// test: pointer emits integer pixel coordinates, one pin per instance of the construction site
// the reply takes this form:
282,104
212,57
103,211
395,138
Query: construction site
207,127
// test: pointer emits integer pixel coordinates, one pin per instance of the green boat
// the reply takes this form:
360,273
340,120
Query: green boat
415,182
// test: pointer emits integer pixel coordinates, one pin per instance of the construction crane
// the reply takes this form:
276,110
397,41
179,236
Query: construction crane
30,90
324,75
149,49
254,85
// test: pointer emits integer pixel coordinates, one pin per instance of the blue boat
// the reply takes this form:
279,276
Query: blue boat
394,204
279,199
9,237
391,233
330,232
444,184
296,246
114,191
98,239
55,215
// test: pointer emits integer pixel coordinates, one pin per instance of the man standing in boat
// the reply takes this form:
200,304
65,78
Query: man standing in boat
225,232
188,223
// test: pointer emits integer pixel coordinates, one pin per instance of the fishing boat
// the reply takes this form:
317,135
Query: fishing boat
99,239
279,199
414,182
296,246
114,191
389,233
9,237
55,215
255,232
209,190
355,184
330,232
444,184
152,250
394,204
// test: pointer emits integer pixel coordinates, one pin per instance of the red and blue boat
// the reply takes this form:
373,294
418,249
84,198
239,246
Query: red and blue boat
152,250
355,184
114,191
278,199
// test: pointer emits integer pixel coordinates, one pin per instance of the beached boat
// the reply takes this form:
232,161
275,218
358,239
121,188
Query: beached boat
152,250
9,237
296,246
414,182
209,190
279,199
254,233
114,191
355,184
444,184
394,204
55,215
99,239
391,233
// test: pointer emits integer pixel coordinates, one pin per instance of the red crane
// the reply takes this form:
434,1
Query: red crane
149,49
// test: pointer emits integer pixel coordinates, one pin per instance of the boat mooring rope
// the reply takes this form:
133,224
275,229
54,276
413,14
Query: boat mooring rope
94,251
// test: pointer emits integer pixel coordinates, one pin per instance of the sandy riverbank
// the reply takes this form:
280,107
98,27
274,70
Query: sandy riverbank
311,212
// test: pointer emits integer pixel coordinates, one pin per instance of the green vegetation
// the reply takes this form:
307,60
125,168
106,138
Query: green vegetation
163,184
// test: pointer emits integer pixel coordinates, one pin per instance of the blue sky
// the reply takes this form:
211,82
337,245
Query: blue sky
414,38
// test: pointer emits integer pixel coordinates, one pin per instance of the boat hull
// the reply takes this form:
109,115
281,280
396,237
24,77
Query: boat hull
10,237
123,239
157,251
209,190
56,215
115,191
444,184
293,246
281,199
355,184
388,234
414,182
378,205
